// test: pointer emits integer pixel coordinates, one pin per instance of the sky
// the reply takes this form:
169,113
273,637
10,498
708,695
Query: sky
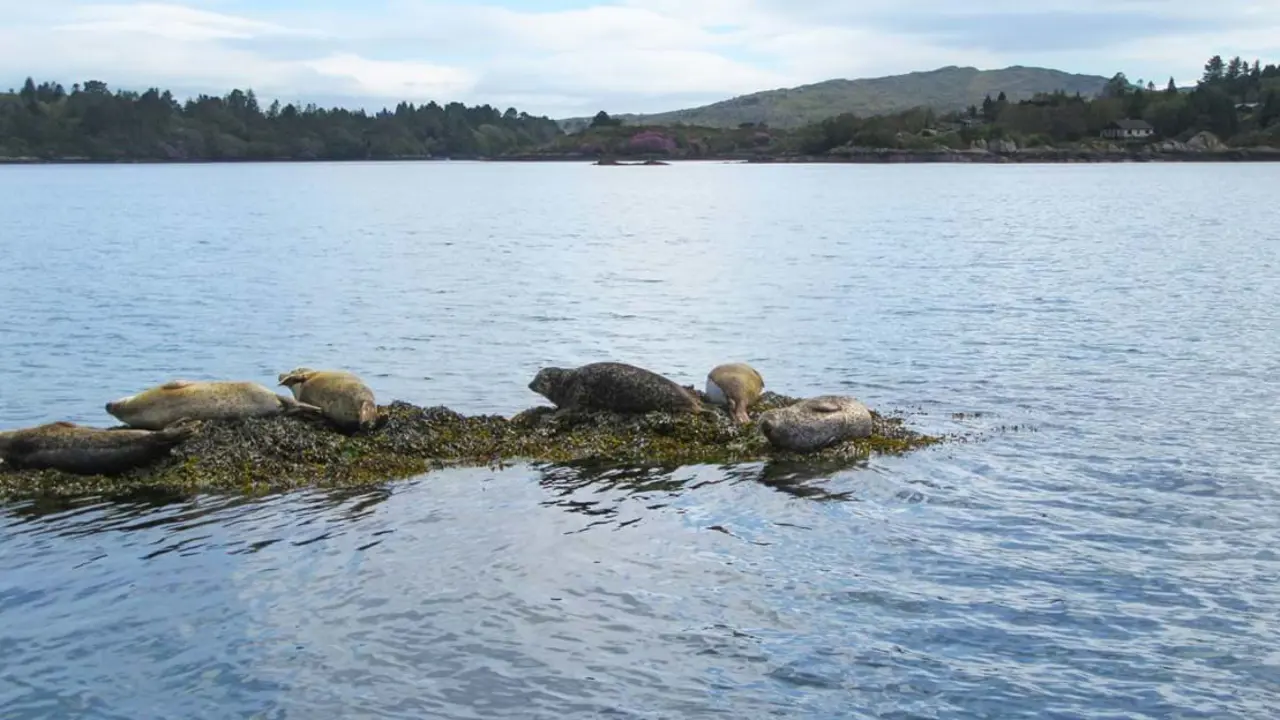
574,57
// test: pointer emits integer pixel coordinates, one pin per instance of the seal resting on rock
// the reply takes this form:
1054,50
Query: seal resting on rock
816,423
737,386
158,407
86,450
342,396
615,387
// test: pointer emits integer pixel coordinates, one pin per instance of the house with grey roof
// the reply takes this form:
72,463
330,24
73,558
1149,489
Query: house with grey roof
1128,129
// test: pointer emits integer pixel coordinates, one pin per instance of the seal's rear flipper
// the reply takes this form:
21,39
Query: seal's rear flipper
297,407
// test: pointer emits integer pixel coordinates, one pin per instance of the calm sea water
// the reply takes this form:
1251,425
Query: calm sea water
1118,559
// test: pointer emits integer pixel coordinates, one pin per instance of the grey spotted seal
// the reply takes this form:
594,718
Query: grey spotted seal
84,450
162,405
816,423
342,396
736,386
616,387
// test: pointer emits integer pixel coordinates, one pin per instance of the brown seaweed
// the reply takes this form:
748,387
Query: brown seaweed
259,455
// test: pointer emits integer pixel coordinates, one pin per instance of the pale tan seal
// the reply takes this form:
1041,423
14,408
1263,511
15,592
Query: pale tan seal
342,396
737,386
615,387
816,423
158,407
86,450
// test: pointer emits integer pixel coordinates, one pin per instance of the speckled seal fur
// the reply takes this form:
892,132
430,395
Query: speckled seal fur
342,396
816,423
84,450
616,387
736,386
158,407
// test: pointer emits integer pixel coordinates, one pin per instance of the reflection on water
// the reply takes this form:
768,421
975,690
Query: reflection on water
1119,561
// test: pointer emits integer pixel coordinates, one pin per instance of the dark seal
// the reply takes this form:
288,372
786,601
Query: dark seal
86,450
615,387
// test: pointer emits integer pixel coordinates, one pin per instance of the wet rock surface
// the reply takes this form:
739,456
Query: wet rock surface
256,455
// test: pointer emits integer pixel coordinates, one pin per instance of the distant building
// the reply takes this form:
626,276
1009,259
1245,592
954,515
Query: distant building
1128,130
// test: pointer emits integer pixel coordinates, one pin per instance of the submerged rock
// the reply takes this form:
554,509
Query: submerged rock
273,453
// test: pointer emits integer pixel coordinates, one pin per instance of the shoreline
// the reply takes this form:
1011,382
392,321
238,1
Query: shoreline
859,156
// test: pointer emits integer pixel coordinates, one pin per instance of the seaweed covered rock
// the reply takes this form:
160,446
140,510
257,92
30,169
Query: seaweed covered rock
279,452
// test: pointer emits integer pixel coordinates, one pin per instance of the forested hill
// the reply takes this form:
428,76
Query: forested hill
941,90
90,121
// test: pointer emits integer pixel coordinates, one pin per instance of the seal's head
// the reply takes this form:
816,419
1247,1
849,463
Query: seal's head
117,406
548,382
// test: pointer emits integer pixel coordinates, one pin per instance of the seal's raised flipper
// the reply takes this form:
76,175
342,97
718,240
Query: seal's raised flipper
294,376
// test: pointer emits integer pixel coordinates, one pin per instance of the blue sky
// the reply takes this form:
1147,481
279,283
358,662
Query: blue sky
573,57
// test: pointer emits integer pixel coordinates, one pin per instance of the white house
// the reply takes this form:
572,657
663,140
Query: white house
1128,130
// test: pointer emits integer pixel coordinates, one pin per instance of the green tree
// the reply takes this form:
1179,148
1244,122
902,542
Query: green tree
1116,87
1234,68
1270,110
602,119
1172,88
28,93
1213,70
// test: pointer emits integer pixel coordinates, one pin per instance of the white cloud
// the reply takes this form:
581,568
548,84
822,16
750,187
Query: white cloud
628,55
174,22
399,79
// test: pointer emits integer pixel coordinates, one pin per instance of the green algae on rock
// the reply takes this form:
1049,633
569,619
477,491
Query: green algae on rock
256,455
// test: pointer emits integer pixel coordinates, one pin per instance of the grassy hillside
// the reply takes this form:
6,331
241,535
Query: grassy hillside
948,88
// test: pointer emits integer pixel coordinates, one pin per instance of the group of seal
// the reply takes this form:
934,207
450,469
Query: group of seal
806,426
160,417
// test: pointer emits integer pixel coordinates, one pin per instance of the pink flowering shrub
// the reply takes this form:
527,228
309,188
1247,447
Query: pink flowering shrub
651,141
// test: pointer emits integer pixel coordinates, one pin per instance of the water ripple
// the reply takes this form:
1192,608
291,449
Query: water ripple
1106,547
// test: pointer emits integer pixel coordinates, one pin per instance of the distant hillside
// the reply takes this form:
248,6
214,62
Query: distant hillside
948,88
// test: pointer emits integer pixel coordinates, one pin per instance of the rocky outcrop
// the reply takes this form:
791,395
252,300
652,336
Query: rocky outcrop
274,453
1205,141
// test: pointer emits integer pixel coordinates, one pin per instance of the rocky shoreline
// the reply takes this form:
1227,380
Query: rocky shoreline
1029,155
257,455
996,155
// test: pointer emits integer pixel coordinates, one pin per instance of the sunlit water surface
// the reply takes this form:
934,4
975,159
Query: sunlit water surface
1105,546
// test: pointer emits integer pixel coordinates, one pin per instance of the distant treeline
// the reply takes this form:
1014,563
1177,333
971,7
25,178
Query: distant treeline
1235,100
90,121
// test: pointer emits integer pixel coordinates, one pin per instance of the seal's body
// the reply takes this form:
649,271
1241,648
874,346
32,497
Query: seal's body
342,396
736,386
158,407
816,423
86,450
615,387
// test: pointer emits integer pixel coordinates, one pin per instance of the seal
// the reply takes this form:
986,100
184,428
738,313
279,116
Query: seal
737,386
615,387
158,407
84,450
342,396
816,423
